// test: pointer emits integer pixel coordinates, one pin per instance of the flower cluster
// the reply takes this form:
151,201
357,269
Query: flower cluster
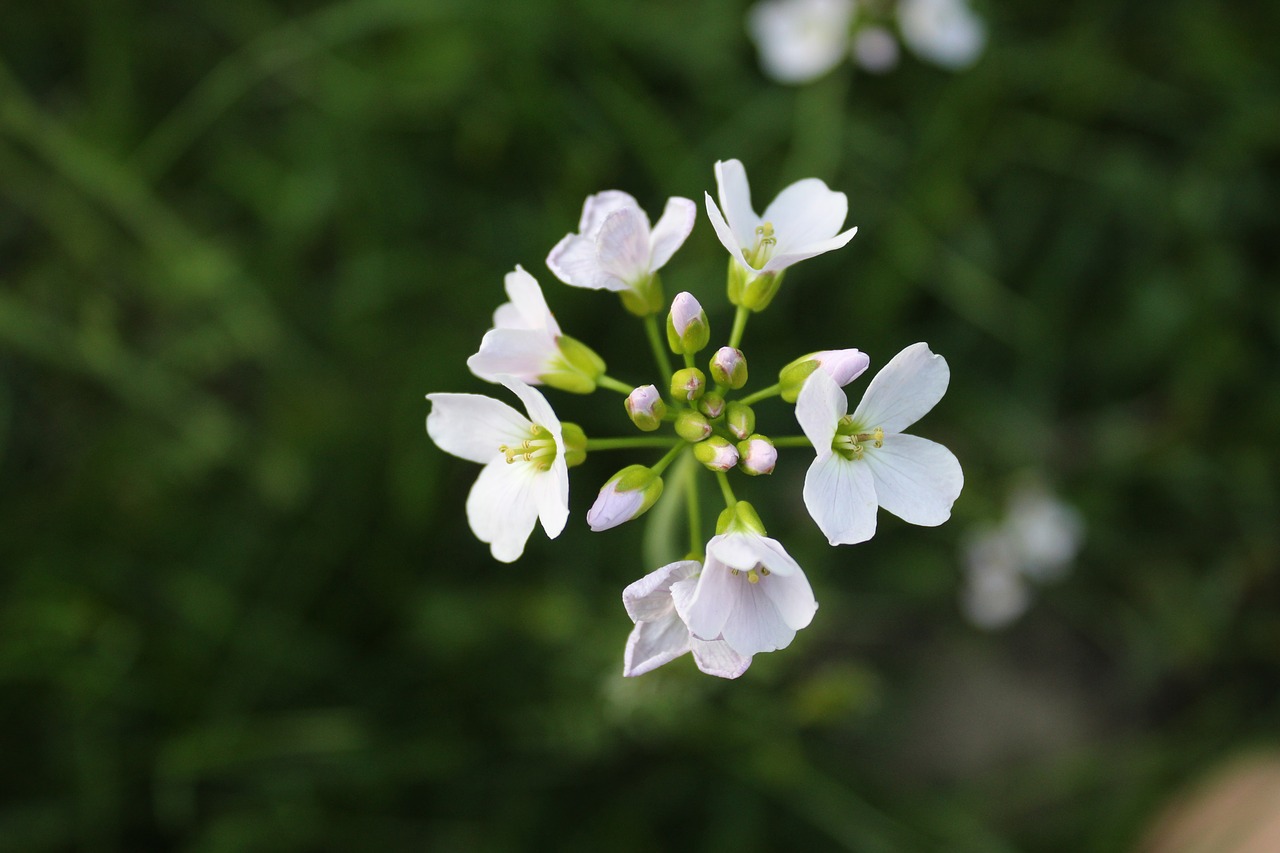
738,593
802,40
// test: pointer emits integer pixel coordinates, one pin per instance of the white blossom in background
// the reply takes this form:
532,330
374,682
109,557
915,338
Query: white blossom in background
944,32
661,636
800,40
864,461
1036,541
875,49
525,476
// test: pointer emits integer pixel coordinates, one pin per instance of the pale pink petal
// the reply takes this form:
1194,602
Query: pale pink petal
755,625
623,244
540,411
574,261
473,426
596,209
806,212
843,365
784,259
716,657
724,232
651,597
525,294
651,644
501,508
915,479
523,353
613,507
904,390
735,201
841,497
747,550
793,597
819,407
712,601
671,231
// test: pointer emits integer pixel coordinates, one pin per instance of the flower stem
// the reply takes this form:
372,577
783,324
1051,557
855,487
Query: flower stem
626,443
726,489
670,457
614,385
695,517
739,325
762,394
688,360
792,441
658,345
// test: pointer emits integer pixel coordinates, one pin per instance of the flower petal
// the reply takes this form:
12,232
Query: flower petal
523,353
735,201
841,498
819,408
597,208
650,598
915,479
540,411
745,551
805,213
713,599
526,296
473,426
782,260
904,390
551,494
501,508
723,231
651,644
623,244
716,657
574,261
755,625
671,231
793,597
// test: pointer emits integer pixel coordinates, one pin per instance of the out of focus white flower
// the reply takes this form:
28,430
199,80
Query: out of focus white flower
1046,532
800,40
875,49
995,593
945,32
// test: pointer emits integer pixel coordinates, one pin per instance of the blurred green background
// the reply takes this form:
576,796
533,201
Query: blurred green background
239,241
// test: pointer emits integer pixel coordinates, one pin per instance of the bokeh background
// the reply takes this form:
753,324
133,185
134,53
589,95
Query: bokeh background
239,606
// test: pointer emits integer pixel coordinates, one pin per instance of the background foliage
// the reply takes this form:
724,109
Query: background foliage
239,608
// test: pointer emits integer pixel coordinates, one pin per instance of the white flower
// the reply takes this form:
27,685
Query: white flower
945,32
865,460
615,249
661,636
995,592
800,223
800,40
875,49
751,593
525,475
1045,531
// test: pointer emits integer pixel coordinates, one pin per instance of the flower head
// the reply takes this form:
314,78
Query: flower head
800,40
616,249
945,32
525,476
865,461
661,636
526,342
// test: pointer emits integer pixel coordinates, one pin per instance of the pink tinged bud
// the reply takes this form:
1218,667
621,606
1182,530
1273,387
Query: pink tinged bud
688,384
716,453
757,456
711,405
687,327
685,308
741,420
729,367
842,365
627,495
646,408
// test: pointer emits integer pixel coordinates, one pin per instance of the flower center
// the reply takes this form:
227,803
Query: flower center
539,448
851,438
764,246
752,575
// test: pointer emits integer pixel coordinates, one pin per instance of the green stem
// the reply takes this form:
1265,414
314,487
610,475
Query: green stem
695,517
739,325
726,489
675,451
688,360
762,394
792,441
626,443
614,385
658,345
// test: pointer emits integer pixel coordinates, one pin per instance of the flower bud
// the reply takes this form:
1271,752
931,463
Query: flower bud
628,494
842,365
692,426
757,455
577,369
645,407
741,420
687,327
742,517
716,453
711,405
688,383
575,444
729,367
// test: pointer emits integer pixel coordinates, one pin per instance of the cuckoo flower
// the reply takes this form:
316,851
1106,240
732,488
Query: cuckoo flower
800,40
751,593
660,634
526,342
616,249
945,32
525,475
803,221
864,460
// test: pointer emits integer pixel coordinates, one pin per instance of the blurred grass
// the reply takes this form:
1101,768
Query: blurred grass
239,241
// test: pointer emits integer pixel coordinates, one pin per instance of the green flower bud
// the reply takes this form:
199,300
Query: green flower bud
711,405
688,384
645,297
692,426
575,444
741,516
729,367
577,369
741,420
716,453
645,407
687,327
